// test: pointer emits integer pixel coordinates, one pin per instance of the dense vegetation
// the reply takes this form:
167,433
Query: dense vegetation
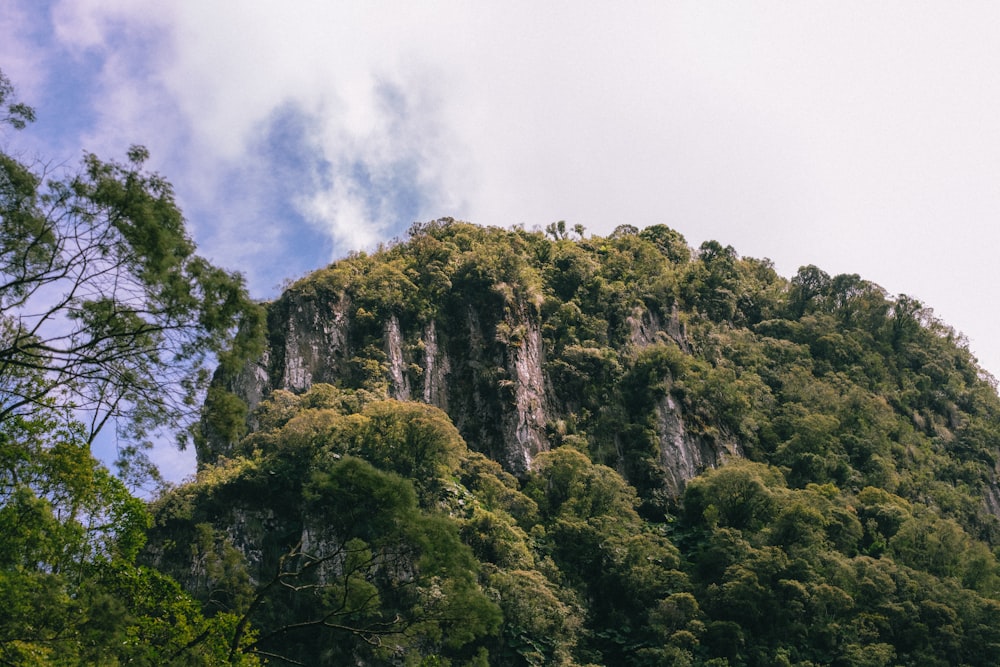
855,532
858,525
108,321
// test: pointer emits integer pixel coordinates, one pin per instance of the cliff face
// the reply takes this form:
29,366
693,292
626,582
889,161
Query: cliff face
314,333
653,361
485,367
493,390
683,455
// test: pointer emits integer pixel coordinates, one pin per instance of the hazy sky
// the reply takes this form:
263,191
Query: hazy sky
861,137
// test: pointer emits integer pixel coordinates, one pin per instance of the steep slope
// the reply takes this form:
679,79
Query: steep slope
500,329
662,361
687,444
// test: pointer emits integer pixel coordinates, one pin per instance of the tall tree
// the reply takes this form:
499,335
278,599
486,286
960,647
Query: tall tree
107,315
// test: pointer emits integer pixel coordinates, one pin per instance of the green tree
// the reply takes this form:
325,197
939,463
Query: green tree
668,241
106,315
103,300
359,572
70,584
604,551
16,114
740,495
712,283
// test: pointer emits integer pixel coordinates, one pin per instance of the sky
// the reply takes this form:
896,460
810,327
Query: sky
860,137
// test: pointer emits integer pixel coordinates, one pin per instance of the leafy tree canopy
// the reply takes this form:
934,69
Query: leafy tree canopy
106,315
104,304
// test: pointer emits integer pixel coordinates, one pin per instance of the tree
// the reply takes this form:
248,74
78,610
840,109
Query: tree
809,286
104,305
558,230
106,315
668,241
70,585
603,550
349,567
16,114
712,284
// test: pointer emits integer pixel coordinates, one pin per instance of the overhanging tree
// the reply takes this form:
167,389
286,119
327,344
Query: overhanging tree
104,304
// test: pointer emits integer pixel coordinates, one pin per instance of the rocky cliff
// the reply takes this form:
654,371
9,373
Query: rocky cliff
652,361
488,372
488,352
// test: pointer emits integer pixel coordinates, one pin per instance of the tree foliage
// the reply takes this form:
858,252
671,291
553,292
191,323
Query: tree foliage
854,532
70,584
104,302
106,314
361,565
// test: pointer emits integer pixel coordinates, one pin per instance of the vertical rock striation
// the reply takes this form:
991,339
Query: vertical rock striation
314,334
436,369
484,365
684,455
399,383
524,426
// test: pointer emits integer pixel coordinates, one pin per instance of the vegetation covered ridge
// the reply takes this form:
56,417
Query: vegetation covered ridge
476,446
502,446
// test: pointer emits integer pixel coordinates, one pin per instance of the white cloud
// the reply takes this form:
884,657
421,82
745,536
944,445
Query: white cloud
861,138
19,59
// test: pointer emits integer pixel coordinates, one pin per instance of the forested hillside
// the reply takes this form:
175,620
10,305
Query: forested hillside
514,447
475,446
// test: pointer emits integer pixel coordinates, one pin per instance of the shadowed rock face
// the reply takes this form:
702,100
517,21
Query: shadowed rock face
399,382
308,343
524,425
436,369
682,454
645,329
485,367
316,334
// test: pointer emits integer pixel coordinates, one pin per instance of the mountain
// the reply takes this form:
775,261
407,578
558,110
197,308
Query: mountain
511,447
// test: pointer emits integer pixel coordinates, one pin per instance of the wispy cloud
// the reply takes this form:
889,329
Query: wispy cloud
248,106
